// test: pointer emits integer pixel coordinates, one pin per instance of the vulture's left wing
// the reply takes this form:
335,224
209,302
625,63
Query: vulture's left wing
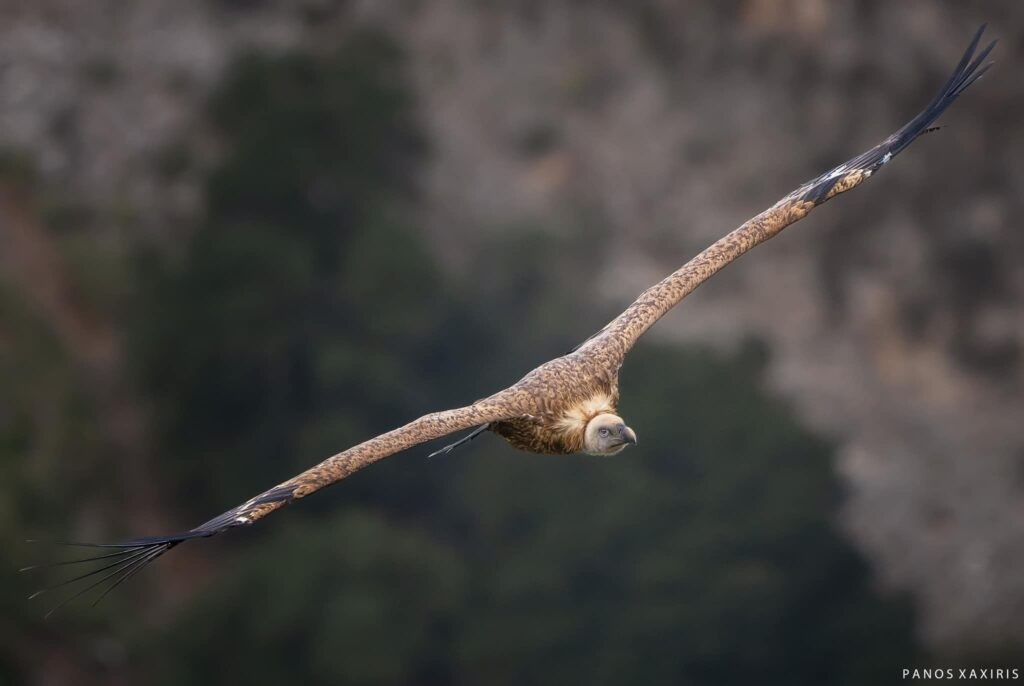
616,339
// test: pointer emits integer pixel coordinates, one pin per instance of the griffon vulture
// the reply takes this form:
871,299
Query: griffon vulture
567,405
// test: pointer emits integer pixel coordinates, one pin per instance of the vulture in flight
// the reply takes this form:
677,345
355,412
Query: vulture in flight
564,406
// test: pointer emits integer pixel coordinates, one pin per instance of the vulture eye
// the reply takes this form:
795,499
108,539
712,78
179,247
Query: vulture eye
603,432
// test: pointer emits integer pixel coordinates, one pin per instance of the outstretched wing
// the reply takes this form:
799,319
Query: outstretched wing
616,339
121,561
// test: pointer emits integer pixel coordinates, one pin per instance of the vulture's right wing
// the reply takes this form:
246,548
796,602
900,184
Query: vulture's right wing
123,560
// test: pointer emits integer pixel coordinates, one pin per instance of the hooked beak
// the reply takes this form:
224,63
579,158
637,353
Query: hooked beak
627,435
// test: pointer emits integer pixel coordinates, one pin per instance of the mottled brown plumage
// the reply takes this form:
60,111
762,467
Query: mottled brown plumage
550,409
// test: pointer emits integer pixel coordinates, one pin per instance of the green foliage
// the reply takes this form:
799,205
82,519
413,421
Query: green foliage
314,141
273,316
53,462
344,599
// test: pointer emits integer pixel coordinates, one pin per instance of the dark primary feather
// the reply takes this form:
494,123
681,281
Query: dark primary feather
462,441
126,561
969,70
128,558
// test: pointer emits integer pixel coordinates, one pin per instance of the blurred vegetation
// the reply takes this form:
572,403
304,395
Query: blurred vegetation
307,313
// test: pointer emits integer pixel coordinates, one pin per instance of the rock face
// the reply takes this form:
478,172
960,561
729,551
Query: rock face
895,315
94,93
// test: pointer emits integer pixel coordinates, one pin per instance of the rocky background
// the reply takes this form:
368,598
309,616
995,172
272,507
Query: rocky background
549,161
